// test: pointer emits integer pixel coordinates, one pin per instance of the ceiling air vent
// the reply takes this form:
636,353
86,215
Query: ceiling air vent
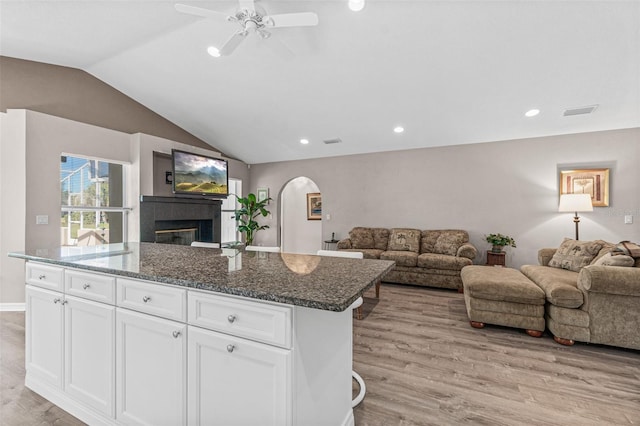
330,141
580,110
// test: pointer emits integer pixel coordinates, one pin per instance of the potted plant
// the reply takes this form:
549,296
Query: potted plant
247,214
498,241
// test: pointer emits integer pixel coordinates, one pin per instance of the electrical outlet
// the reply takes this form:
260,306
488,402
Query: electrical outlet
628,219
328,216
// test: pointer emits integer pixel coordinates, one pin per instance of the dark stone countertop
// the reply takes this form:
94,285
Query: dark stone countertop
328,283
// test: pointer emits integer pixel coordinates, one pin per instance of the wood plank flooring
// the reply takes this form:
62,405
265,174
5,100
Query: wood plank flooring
424,365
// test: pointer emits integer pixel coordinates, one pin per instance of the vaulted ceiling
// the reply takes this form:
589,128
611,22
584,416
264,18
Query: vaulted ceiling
449,72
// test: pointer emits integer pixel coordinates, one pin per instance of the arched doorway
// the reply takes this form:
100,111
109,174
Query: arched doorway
297,233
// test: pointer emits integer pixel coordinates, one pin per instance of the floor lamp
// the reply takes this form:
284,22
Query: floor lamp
575,203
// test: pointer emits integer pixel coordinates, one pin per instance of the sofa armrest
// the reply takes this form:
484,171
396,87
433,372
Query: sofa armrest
545,255
619,280
344,244
467,250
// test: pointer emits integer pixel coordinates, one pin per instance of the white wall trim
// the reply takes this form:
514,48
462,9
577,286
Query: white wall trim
11,307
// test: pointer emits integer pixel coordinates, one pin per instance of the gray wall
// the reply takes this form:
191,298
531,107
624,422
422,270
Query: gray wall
74,94
509,187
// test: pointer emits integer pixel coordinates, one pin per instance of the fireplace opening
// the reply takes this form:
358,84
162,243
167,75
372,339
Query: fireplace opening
184,236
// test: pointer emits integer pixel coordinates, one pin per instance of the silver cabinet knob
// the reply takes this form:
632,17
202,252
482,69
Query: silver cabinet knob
230,348
176,334
86,286
64,302
231,318
145,299
42,277
56,300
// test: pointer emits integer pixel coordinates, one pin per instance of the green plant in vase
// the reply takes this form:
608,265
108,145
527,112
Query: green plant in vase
250,210
498,241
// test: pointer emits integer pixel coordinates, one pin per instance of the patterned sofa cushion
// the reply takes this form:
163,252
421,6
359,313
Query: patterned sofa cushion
574,255
445,241
442,261
404,239
361,238
402,258
380,238
560,286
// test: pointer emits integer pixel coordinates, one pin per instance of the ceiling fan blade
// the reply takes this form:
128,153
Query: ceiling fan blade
198,11
233,42
247,4
304,19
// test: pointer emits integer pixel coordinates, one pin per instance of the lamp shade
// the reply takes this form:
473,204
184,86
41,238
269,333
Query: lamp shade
575,203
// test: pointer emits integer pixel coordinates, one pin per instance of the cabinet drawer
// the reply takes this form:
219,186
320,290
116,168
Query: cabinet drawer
101,288
253,320
45,276
155,299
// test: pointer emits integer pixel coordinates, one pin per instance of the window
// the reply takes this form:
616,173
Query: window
229,228
92,197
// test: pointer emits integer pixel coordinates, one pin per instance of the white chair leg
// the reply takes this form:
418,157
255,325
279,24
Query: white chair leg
363,389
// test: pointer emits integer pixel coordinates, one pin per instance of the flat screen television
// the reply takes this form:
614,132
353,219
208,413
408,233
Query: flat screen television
197,174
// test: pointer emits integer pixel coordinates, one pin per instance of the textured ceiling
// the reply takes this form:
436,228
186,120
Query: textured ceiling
450,72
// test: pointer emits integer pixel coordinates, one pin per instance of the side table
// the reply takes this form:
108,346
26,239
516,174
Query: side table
496,259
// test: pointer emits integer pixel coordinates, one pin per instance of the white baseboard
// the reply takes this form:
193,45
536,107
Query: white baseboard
11,307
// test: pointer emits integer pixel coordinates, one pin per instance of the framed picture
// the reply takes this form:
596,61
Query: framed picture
594,182
263,194
314,206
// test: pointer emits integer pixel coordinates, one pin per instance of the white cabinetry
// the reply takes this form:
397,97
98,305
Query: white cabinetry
69,343
234,381
44,325
151,369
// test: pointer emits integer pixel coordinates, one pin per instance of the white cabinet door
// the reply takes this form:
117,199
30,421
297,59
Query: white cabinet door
233,381
89,358
151,369
44,323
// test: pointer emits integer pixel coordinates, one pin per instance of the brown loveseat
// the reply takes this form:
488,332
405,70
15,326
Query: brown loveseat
431,258
587,298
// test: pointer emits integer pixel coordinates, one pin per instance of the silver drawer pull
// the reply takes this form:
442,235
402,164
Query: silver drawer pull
176,334
145,299
231,318
42,277
56,300
230,348
86,286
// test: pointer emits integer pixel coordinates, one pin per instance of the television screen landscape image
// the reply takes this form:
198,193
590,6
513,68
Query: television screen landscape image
199,175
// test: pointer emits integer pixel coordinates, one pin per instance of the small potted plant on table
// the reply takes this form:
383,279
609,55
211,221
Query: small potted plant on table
498,241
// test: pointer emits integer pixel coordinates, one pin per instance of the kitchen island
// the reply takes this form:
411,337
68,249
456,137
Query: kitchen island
143,333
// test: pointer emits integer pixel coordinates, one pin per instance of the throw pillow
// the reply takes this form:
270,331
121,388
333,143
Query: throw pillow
626,248
361,238
620,260
402,239
449,241
606,248
575,255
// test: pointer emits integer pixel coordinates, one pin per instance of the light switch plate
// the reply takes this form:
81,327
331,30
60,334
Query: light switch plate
628,219
42,219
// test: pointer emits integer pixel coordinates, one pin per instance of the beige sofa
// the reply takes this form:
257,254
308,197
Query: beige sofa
588,300
431,258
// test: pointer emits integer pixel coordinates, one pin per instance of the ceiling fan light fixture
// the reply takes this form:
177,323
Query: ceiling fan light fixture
213,51
356,5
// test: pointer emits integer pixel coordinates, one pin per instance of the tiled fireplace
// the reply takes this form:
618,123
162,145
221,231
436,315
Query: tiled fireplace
172,220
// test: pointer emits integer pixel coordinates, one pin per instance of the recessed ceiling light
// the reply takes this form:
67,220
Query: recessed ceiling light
304,141
213,51
356,5
398,129
532,112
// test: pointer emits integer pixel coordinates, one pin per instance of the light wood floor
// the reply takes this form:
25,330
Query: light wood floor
424,365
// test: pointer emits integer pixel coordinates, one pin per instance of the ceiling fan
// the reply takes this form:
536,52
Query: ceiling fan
250,18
